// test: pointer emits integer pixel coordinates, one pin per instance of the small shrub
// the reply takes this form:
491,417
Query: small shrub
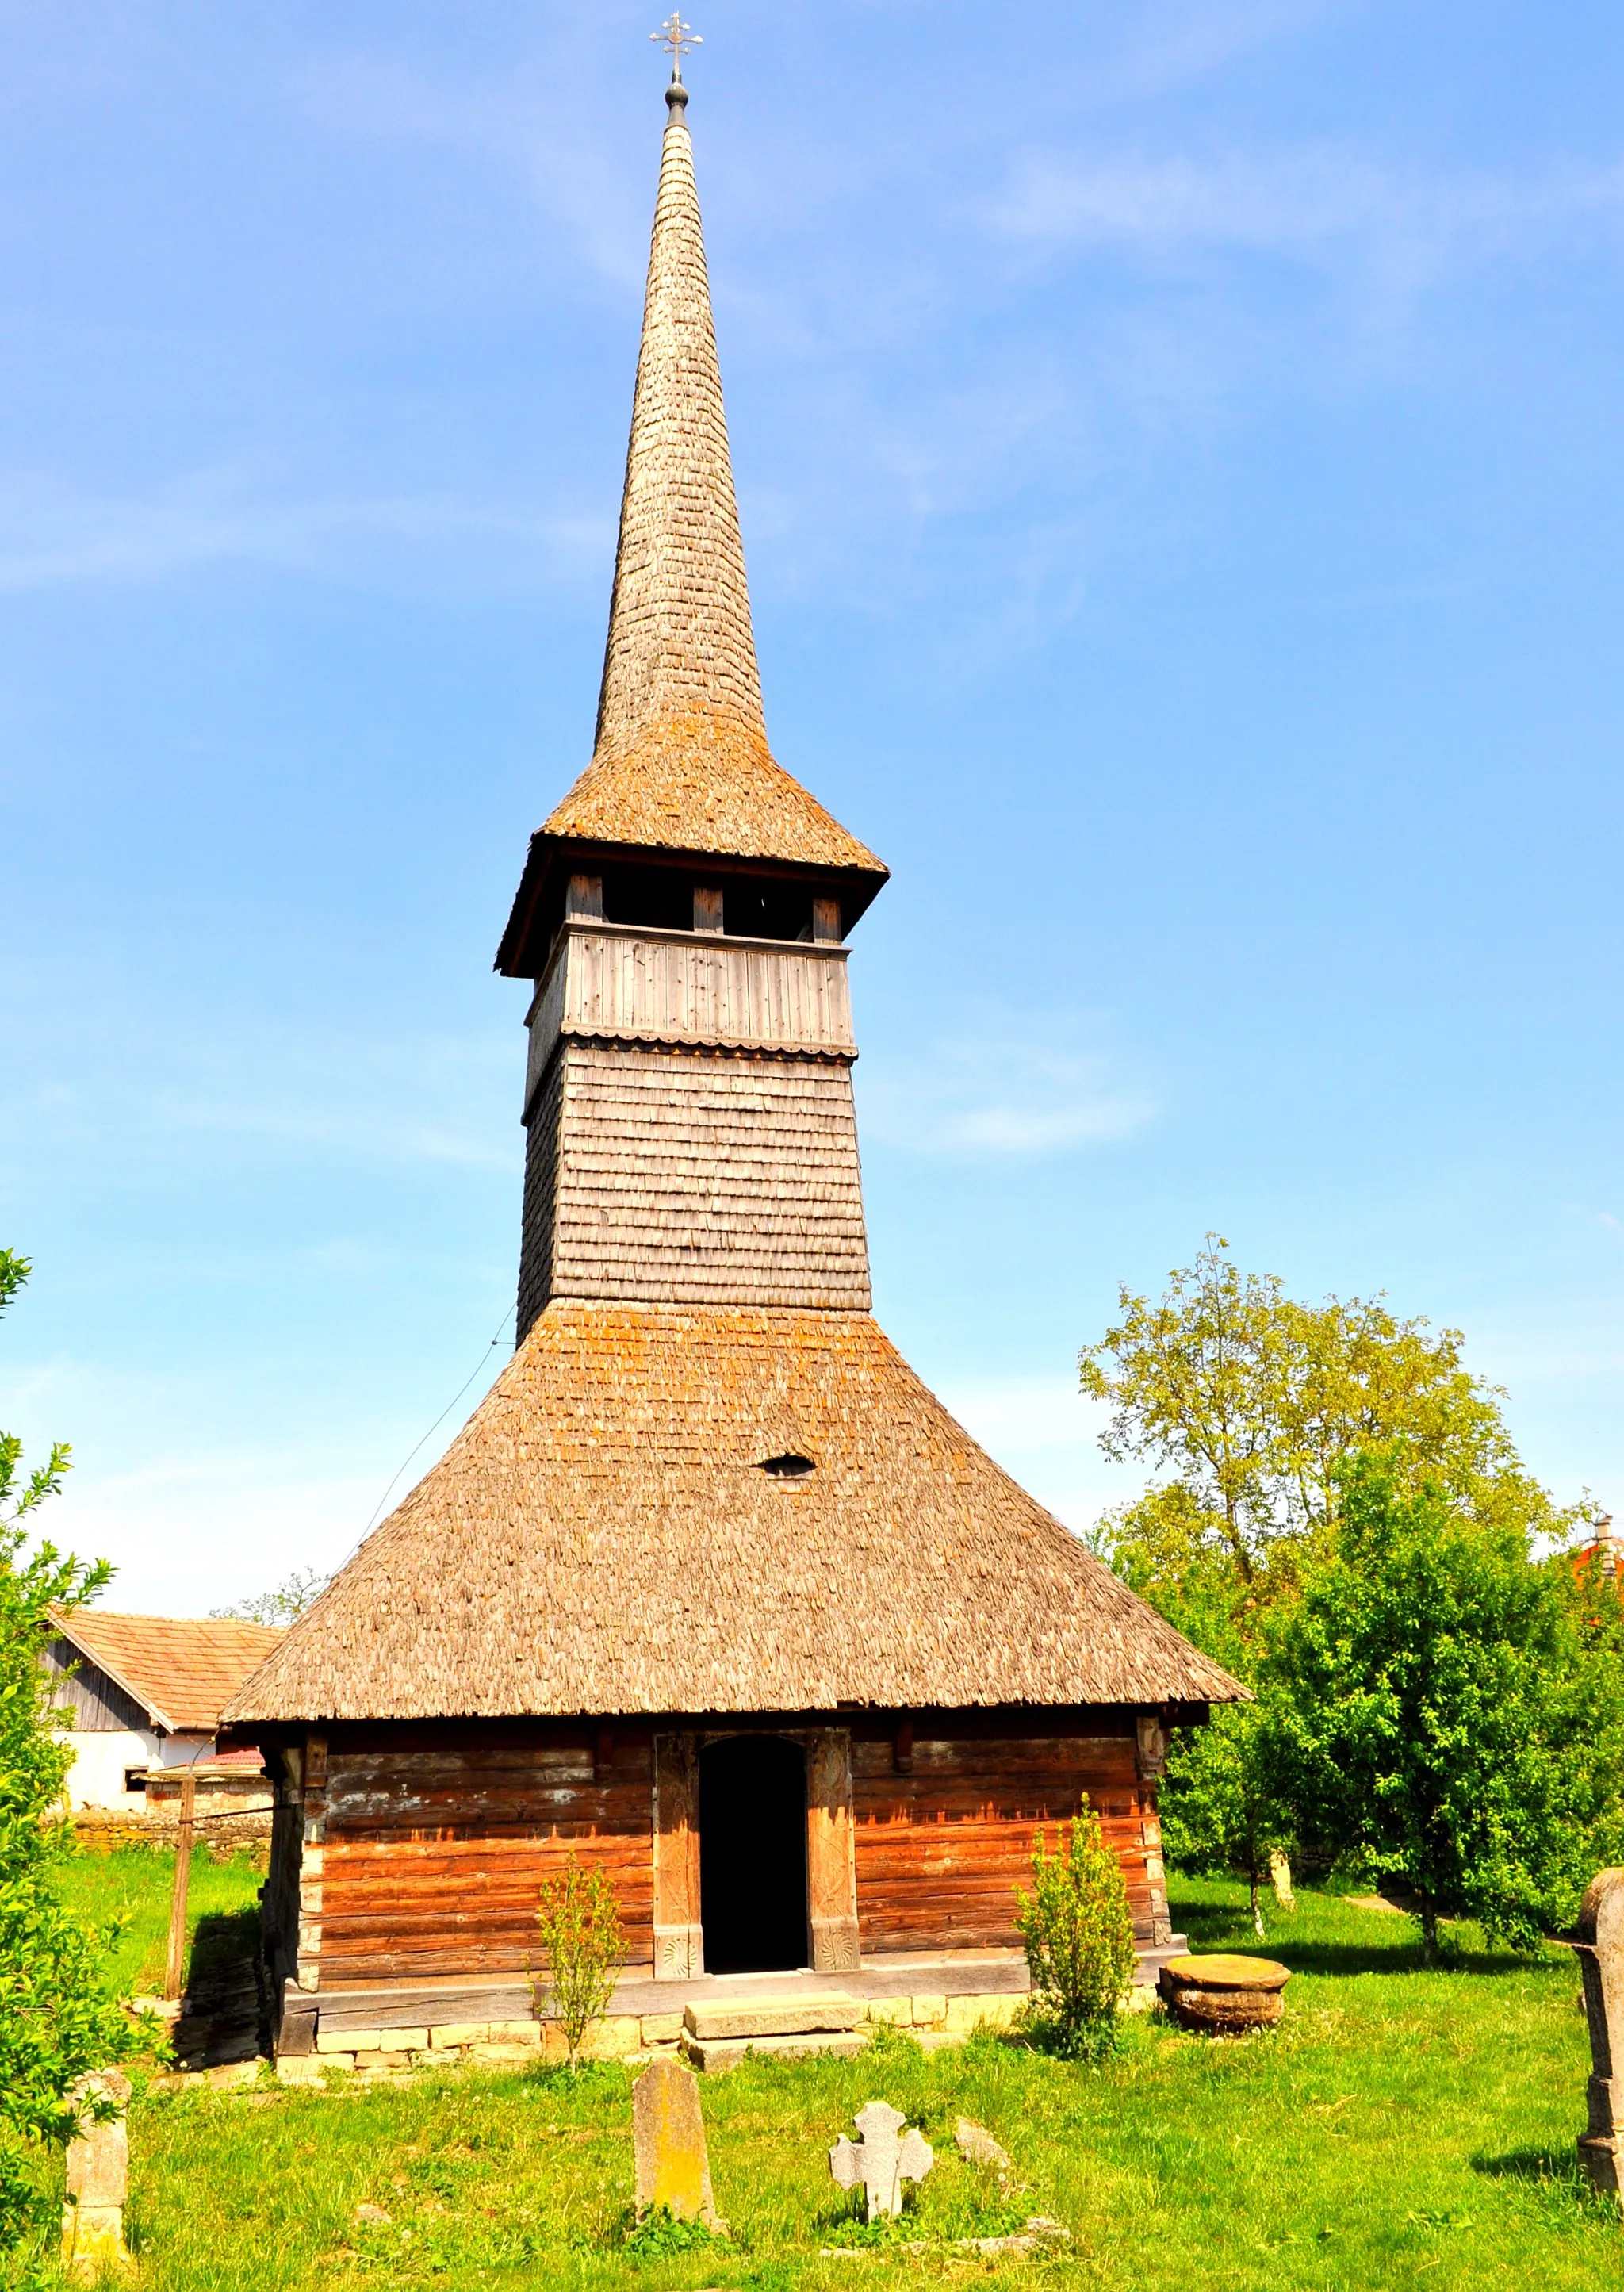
660,2232
580,1921
1078,1933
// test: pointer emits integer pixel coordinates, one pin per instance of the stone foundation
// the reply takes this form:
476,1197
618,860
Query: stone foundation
930,2017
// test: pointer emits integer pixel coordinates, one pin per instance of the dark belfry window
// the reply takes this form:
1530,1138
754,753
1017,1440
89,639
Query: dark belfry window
753,1855
765,908
661,898
648,899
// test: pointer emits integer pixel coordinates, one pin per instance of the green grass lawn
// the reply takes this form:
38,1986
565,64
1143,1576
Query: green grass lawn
135,1885
1400,2127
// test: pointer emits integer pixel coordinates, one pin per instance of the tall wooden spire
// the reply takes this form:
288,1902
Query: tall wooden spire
680,641
680,769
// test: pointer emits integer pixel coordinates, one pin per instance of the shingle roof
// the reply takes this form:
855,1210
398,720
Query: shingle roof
181,1669
600,1537
679,760
706,783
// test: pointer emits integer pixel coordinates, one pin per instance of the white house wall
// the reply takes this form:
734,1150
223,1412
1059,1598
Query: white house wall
96,1776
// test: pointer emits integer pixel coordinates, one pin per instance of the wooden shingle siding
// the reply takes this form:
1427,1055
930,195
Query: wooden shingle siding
540,1199
613,981
435,1855
940,1851
689,1177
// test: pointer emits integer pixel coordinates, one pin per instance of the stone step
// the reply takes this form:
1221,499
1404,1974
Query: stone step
727,2053
772,2017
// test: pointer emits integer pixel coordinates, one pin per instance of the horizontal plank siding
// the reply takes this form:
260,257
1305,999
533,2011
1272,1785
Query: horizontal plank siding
435,1856
940,1851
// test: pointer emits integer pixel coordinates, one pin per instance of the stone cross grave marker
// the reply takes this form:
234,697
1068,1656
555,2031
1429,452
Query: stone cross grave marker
672,2167
1601,1955
98,2184
883,2159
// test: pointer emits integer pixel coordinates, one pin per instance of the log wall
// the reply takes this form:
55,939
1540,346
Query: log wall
941,1849
436,1849
435,1840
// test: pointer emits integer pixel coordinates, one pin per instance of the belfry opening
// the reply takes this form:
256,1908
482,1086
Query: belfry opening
753,1854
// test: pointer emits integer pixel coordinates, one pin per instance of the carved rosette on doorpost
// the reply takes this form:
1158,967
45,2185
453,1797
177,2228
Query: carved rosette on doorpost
831,1863
1151,1757
679,1938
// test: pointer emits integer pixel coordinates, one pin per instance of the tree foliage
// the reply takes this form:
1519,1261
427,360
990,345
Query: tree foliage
290,1599
57,2017
1251,1405
1079,1935
1443,1710
1257,1414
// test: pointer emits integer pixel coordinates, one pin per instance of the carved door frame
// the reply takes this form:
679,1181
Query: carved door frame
831,1847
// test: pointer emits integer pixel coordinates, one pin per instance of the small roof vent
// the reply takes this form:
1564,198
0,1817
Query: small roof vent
788,1467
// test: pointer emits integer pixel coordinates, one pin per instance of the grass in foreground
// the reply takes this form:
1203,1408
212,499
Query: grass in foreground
1402,2126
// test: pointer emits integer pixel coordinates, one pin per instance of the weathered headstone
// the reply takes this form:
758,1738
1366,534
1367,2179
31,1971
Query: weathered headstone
98,2183
672,2167
883,2159
977,2146
1601,1954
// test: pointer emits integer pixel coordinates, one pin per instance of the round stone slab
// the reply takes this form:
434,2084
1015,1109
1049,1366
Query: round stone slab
1223,1971
1224,1994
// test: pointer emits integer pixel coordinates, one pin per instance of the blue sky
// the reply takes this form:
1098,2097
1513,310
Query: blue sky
1179,456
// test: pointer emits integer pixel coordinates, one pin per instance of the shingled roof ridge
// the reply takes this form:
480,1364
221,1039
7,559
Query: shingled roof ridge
680,639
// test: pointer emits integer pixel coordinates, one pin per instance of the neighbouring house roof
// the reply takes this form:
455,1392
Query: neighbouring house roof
601,1538
679,760
182,1670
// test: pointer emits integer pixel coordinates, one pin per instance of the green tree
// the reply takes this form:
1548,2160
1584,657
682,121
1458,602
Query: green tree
1250,1408
1219,1807
58,2018
1249,1404
1437,1711
1078,1935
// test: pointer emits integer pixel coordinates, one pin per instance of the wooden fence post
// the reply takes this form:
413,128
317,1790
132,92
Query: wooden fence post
176,1960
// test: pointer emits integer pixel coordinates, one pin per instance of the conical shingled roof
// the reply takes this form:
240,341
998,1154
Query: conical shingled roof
600,1537
681,760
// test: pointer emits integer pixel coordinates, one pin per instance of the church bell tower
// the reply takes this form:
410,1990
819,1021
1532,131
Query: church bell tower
683,912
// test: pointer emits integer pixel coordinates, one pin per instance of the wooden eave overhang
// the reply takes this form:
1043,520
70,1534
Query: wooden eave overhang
552,859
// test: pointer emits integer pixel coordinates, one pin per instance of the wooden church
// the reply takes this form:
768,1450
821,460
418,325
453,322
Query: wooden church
710,1591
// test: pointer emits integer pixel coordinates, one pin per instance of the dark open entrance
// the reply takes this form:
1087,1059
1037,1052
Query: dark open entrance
753,1854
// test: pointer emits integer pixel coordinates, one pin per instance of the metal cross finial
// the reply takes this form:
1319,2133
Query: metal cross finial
679,37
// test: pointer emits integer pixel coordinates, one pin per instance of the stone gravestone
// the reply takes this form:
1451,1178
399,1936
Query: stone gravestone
1601,1954
672,2167
883,2159
98,2183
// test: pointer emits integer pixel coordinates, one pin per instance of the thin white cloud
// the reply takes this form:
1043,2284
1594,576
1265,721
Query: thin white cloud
1170,46
409,1097
55,534
1011,1085
1313,204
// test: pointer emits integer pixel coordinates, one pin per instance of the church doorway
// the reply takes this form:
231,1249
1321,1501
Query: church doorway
753,1854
